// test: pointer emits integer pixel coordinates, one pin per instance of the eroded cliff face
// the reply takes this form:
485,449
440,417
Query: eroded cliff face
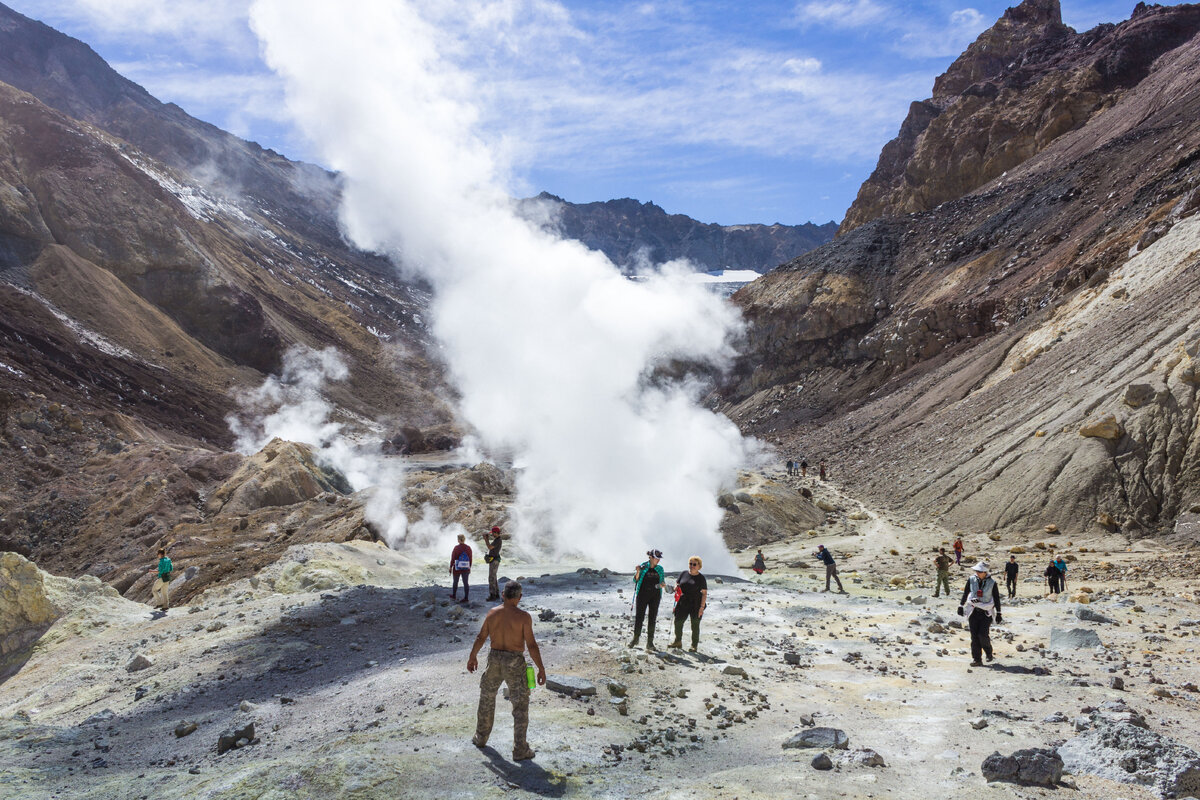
917,348
1024,83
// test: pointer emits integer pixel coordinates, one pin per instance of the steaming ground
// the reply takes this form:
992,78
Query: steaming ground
353,671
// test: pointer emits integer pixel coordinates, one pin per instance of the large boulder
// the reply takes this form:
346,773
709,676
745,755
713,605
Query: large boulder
1035,766
1073,639
818,737
281,474
1128,753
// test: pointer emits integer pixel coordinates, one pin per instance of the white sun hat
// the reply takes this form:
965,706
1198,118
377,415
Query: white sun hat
982,566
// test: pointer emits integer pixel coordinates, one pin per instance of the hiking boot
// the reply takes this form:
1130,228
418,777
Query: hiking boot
976,663
842,591
478,742
676,645
523,755
990,658
650,648
692,649
633,642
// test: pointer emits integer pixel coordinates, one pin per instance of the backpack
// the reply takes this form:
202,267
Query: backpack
462,563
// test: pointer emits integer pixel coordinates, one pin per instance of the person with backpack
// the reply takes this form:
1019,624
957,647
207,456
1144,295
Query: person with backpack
942,562
493,561
760,563
980,604
1010,576
460,567
958,549
691,598
648,582
831,572
1053,577
1061,565
160,590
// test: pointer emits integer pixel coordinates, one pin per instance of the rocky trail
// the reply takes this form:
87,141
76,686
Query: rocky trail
349,662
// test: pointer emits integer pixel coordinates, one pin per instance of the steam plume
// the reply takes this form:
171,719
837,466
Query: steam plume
554,352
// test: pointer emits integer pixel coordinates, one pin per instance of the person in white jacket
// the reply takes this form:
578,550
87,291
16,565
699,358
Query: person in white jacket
980,604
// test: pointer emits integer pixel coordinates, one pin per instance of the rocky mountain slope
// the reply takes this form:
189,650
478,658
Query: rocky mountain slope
633,234
1005,334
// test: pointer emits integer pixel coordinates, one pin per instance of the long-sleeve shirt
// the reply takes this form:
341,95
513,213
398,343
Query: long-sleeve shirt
825,556
995,594
460,549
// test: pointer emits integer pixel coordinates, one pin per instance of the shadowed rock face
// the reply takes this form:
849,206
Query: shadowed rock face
955,341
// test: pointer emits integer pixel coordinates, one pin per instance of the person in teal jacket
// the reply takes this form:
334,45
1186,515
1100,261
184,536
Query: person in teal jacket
648,583
160,591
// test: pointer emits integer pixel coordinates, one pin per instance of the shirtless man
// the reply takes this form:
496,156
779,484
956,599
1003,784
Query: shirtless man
511,631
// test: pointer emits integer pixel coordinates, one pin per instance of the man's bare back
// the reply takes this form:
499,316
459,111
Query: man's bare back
511,630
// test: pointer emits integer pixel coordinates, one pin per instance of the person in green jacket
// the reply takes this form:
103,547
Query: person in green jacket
160,591
648,582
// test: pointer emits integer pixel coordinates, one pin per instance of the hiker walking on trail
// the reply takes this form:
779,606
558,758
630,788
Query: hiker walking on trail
760,563
804,468
1010,576
160,589
1053,577
821,469
1061,564
958,549
942,562
493,561
791,467
649,580
511,631
691,598
460,567
830,568
980,604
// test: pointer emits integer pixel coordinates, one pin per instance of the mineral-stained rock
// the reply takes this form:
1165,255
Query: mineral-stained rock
281,474
818,737
1106,427
1035,766
1127,753
1073,639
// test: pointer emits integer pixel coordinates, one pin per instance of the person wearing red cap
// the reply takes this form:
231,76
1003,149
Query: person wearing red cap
493,561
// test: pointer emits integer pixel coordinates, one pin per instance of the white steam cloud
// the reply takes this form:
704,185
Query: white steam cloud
558,358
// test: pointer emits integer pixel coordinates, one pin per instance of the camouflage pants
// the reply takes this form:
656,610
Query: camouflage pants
493,580
943,579
504,666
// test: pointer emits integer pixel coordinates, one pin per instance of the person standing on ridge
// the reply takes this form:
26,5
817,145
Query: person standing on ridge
1061,564
160,589
649,580
692,590
830,568
821,469
460,567
511,631
760,563
1053,577
493,561
1010,576
958,550
804,468
980,604
942,562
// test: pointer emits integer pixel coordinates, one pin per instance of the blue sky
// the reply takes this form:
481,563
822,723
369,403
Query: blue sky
730,112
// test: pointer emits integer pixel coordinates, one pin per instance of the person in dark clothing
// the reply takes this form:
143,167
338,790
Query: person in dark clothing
692,590
942,562
980,604
1060,564
1054,578
804,468
648,582
830,568
760,563
791,467
1010,576
493,561
460,567
821,469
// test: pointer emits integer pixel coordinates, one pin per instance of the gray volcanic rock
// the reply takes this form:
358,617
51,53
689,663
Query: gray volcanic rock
569,684
1127,753
632,233
1073,639
818,737
1033,766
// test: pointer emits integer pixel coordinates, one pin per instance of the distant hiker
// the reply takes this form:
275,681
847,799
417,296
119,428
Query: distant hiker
821,469
160,590
511,631
460,567
804,468
791,467
1010,576
691,588
760,563
1061,565
1053,577
980,604
958,549
830,567
942,562
493,561
649,580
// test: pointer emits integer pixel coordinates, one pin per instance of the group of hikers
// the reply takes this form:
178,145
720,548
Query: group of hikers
1055,573
800,467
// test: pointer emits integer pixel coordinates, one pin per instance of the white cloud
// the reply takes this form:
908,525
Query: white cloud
843,14
201,22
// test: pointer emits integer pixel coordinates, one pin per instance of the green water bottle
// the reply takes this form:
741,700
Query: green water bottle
530,676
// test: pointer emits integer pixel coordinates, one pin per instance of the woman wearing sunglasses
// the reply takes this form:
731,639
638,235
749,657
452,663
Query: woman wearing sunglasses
691,588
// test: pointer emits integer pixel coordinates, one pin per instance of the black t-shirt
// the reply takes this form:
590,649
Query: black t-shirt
1010,569
692,586
494,550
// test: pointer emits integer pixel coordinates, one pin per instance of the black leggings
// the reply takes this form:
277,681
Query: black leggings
980,623
644,603
466,586
1011,584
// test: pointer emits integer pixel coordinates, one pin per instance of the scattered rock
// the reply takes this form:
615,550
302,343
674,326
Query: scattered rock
1035,766
1106,427
1073,639
732,670
867,758
185,728
617,689
1116,682
621,704
139,662
818,737
545,615
822,762
1138,394
791,658
979,723
568,684
233,738
1089,615
1127,753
